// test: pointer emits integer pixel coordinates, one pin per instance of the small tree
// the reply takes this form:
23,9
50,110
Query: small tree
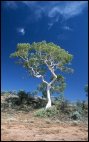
40,57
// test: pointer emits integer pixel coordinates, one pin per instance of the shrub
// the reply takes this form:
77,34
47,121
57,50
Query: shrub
63,106
4,106
7,94
13,101
23,96
75,115
39,103
46,112
82,107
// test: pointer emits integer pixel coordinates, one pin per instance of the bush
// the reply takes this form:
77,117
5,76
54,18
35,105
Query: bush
63,106
82,107
23,96
28,99
4,106
75,115
39,103
46,112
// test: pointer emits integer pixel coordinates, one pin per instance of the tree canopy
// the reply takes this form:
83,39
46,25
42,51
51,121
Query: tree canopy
40,57
36,55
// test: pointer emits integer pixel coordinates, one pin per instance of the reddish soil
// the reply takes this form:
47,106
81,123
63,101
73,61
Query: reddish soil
20,126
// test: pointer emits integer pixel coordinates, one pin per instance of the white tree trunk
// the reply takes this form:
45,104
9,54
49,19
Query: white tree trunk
48,97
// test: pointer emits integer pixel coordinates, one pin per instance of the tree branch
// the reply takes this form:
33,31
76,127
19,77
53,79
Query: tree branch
44,80
24,58
36,74
52,71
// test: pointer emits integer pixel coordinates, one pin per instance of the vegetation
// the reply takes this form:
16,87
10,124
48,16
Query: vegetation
38,59
62,109
47,112
23,101
76,115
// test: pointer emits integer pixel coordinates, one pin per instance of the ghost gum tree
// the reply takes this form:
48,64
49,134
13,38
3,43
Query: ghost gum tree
40,57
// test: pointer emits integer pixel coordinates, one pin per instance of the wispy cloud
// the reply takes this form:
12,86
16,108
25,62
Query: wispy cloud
70,9
29,3
74,8
67,9
11,4
67,28
53,10
36,9
21,31
52,22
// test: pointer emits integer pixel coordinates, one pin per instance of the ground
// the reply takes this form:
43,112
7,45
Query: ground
22,126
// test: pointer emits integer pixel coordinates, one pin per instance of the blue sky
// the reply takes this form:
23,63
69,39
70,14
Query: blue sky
64,23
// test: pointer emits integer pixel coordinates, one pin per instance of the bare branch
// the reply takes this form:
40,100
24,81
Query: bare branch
36,74
44,80
52,71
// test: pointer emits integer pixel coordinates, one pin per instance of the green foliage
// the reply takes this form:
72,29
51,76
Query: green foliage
79,106
75,115
57,87
62,105
24,101
22,50
52,50
7,94
23,96
43,87
46,112
35,54
82,107
38,57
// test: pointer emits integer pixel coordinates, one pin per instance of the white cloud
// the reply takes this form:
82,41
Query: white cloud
74,8
21,31
70,9
67,9
52,22
67,28
53,10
